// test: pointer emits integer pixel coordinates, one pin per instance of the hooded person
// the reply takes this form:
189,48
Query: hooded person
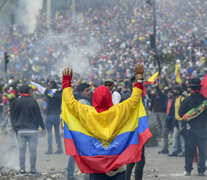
193,111
103,138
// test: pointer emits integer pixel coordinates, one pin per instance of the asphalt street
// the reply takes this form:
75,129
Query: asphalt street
157,166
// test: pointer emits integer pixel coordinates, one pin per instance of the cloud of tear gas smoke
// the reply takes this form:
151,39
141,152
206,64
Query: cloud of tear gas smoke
11,159
78,58
68,54
9,152
28,11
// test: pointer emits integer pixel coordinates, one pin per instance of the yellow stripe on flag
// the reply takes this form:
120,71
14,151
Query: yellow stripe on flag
107,124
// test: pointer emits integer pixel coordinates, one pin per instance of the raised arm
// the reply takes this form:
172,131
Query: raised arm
77,82
67,77
68,96
139,76
136,96
112,119
40,88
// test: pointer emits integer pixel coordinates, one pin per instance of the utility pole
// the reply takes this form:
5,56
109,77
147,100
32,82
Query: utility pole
154,35
155,31
6,61
73,10
49,12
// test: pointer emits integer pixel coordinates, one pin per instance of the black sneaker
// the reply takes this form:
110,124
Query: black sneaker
48,152
21,171
201,174
33,171
164,151
59,151
173,154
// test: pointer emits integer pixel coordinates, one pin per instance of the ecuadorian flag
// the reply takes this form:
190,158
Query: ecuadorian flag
101,142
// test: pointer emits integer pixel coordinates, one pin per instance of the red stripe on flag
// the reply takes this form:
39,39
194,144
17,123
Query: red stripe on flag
106,163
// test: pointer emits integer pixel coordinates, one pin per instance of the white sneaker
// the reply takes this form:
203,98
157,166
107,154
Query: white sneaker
187,173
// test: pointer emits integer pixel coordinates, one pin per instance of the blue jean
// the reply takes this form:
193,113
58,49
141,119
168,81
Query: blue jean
53,120
177,139
4,122
160,118
32,140
71,166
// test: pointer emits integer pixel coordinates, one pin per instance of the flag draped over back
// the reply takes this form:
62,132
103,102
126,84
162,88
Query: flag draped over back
101,142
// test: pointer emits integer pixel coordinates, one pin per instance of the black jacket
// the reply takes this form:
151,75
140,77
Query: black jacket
25,114
195,99
54,102
158,101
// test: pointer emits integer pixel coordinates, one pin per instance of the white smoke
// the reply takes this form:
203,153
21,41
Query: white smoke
78,58
28,11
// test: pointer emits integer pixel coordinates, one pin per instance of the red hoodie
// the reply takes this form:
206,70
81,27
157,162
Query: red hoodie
102,99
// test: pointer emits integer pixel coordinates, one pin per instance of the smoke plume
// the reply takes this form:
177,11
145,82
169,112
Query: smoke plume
28,12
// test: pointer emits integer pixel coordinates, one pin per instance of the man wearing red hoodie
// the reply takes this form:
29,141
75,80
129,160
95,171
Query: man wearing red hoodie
102,101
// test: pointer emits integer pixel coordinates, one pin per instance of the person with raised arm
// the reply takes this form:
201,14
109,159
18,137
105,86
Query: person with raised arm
104,138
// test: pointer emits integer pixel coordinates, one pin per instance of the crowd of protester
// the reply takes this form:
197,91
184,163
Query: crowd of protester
120,34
